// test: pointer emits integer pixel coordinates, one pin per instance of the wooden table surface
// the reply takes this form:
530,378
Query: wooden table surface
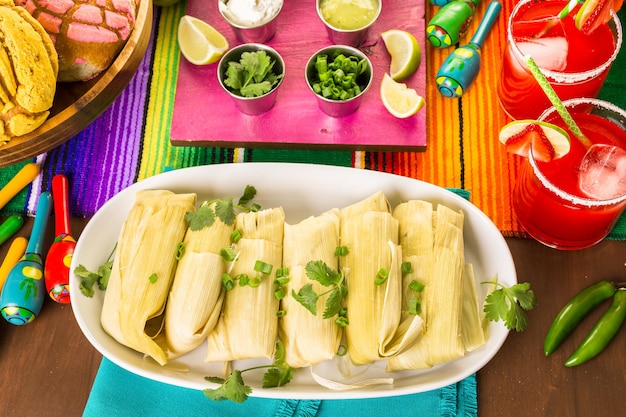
47,367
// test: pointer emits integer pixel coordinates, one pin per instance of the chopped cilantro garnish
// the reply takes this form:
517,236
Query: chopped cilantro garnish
510,304
223,209
233,388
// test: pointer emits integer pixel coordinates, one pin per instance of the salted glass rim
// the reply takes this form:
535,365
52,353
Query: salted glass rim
579,201
566,77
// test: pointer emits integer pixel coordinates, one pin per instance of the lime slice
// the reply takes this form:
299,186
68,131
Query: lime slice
200,42
548,141
398,99
404,51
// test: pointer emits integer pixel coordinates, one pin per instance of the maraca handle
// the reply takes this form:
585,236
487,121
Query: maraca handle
37,236
60,195
24,177
490,17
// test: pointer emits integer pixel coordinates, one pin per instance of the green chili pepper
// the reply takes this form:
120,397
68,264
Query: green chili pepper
602,332
574,311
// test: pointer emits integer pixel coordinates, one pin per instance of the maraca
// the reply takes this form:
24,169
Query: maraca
461,67
451,23
24,289
57,266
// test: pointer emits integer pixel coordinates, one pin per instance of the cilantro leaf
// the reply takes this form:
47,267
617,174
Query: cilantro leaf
201,218
253,75
277,377
333,303
232,388
89,278
328,277
248,194
510,304
225,210
322,273
307,297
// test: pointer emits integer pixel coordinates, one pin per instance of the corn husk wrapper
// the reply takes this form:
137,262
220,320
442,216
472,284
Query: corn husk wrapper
471,320
442,297
371,234
443,337
309,339
248,325
415,219
134,303
195,301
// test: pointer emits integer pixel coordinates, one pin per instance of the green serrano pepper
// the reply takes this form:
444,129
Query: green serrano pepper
574,311
602,332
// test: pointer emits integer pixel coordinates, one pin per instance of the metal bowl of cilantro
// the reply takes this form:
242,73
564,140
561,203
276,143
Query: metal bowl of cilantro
339,76
251,74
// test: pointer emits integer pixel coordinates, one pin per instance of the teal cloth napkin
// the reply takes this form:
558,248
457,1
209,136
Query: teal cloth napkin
117,392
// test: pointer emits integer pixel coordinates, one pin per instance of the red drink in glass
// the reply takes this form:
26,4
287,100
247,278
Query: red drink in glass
576,64
547,198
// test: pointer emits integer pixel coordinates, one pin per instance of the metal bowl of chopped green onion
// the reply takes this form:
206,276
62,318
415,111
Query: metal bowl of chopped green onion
251,74
339,76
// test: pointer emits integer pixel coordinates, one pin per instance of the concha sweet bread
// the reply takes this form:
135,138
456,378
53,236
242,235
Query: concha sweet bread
28,72
87,34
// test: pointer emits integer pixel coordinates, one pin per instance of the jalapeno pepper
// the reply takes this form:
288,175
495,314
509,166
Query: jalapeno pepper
574,311
602,332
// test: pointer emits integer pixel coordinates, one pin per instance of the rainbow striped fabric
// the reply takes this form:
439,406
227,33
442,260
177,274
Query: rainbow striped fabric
130,141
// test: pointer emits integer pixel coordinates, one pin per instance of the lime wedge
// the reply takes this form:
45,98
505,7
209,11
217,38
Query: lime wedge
398,99
548,141
404,51
200,43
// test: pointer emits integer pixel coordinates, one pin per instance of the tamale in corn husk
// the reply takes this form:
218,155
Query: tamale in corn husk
143,269
195,300
370,233
309,339
248,325
442,297
445,301
415,220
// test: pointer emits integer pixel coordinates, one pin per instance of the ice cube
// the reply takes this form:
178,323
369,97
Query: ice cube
602,172
549,53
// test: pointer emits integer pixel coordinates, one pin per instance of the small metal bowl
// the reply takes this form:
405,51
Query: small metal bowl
353,37
259,31
252,105
339,108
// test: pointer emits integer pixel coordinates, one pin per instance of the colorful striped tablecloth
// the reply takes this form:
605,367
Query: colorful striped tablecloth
130,141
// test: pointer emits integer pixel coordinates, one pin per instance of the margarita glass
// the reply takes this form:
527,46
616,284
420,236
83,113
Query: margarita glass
575,64
547,198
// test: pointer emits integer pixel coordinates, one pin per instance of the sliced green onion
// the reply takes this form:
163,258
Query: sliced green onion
416,286
228,254
381,276
263,267
227,282
341,251
255,281
235,236
180,249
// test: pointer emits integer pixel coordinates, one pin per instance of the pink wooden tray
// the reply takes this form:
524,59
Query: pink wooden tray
204,115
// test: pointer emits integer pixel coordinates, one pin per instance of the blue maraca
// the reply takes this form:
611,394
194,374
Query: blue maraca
461,67
24,290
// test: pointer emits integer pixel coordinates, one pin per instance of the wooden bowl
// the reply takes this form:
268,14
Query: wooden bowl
78,104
